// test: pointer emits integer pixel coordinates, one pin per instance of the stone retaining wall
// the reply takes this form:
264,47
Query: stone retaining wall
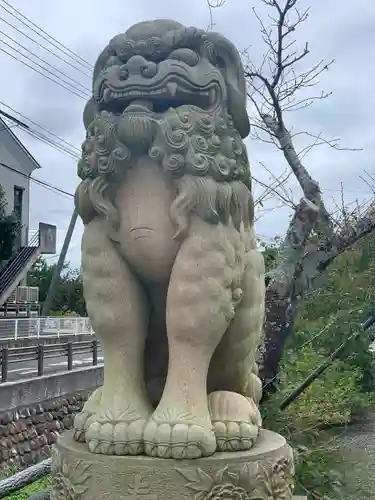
34,411
26,434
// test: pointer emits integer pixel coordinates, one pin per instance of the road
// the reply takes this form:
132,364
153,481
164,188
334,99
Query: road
358,443
28,369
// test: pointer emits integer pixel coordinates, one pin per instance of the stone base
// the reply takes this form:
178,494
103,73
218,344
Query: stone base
262,473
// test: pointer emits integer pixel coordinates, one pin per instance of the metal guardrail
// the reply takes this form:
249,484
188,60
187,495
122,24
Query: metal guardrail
52,326
41,352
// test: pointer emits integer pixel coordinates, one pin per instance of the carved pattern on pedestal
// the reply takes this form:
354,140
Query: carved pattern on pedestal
69,480
139,490
254,481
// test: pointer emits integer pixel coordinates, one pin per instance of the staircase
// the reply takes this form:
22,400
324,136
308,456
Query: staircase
17,268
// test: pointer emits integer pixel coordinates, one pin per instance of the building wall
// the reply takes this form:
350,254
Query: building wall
8,178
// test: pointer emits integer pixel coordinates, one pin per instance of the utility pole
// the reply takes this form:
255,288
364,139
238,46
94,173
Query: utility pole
56,274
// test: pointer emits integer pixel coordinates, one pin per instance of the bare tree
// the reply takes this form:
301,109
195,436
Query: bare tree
212,5
314,237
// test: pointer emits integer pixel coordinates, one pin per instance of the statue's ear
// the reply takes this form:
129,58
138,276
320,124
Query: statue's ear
230,64
102,60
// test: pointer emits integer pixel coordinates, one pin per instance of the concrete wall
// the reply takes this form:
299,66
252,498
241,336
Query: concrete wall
34,411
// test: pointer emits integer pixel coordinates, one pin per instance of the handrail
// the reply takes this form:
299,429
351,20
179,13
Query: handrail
33,243
53,348
13,328
9,272
15,267
41,352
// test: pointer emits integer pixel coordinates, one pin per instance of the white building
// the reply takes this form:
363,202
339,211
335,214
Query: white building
16,167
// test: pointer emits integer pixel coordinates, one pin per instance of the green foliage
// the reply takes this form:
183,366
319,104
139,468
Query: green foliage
270,251
9,229
29,490
330,400
344,298
69,292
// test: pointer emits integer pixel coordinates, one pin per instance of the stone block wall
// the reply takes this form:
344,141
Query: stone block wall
26,434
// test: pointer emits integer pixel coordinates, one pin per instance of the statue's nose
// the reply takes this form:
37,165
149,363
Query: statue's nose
138,65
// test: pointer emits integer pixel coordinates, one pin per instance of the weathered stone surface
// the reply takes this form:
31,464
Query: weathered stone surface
4,431
262,473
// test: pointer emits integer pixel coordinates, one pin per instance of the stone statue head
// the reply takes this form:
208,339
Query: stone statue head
178,95
171,65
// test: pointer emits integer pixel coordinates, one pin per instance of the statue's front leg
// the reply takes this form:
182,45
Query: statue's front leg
119,314
199,309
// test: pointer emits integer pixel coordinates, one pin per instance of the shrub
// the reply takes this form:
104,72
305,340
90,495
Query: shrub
330,400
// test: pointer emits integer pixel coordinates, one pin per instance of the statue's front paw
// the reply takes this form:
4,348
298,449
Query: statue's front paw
116,433
80,425
236,421
81,419
178,438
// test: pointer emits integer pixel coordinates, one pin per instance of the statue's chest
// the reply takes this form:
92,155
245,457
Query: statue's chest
146,230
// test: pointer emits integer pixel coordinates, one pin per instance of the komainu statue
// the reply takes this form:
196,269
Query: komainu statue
173,280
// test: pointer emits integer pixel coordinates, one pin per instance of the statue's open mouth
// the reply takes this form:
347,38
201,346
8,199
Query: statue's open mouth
161,98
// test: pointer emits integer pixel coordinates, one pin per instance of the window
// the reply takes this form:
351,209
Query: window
18,199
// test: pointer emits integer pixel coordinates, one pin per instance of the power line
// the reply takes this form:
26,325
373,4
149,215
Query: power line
49,142
55,43
54,68
58,147
9,126
70,150
18,122
40,182
39,126
53,145
43,46
36,70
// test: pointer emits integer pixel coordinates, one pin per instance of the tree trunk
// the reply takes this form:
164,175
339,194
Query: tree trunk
278,326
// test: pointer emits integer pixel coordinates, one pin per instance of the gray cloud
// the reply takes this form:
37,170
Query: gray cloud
342,32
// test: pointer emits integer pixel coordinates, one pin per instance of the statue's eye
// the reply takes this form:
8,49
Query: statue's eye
185,55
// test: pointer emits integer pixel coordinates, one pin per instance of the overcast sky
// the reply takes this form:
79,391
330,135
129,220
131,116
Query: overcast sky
342,30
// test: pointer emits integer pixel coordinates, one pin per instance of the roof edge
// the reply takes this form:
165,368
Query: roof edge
6,128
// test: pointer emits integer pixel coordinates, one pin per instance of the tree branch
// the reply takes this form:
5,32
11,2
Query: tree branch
213,4
348,236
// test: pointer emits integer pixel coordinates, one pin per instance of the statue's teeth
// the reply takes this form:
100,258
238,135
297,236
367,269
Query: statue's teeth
212,96
172,88
107,94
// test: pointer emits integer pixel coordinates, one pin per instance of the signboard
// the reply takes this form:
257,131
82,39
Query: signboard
47,235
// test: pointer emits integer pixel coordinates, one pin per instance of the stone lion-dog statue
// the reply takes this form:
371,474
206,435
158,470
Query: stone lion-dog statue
173,279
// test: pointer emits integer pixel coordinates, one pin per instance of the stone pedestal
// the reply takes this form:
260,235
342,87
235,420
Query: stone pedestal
262,473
